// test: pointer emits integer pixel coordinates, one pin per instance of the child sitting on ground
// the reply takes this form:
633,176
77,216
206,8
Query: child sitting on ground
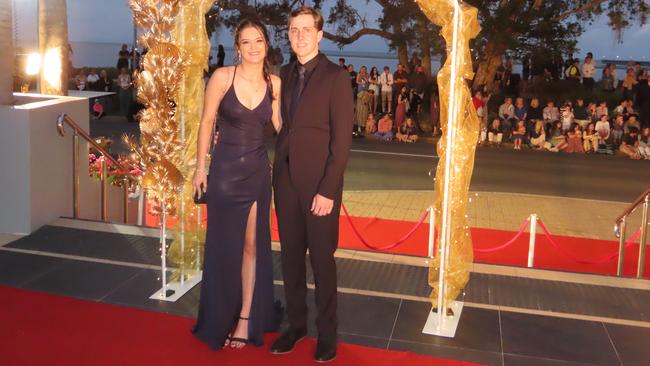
98,109
407,132
518,134
384,128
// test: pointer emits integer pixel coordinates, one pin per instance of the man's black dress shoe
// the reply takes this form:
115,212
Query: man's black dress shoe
325,351
287,341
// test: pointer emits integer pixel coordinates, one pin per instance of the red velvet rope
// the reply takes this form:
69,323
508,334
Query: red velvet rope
582,261
386,247
508,243
522,228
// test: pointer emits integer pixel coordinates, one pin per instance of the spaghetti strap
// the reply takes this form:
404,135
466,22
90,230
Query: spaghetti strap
232,82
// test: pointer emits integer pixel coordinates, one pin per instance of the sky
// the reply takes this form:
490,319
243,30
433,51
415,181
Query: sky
110,21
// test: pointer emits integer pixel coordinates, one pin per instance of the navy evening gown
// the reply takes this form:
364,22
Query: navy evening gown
239,176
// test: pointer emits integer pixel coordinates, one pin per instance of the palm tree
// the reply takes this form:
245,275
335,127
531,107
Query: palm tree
53,44
7,54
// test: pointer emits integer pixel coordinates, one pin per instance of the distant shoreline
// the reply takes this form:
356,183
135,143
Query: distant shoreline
104,54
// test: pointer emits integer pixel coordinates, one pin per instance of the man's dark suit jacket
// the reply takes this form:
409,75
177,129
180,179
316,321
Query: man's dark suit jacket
317,139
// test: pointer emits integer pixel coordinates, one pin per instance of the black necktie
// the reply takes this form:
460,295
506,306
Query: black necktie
298,88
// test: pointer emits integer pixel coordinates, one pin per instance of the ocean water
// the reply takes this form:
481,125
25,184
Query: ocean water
96,54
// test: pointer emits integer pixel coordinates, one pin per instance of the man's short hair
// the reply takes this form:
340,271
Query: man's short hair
318,18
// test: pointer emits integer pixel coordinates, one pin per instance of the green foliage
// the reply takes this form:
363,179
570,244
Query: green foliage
397,24
549,27
272,13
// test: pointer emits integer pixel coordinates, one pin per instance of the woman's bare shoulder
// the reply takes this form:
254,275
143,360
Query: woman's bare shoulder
276,81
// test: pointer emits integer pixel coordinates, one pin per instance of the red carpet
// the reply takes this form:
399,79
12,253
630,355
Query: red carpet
41,329
383,232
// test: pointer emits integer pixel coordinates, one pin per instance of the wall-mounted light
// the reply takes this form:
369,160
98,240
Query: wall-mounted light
33,66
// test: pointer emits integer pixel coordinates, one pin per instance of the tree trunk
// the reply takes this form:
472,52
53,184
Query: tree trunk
488,65
403,54
7,54
425,45
53,44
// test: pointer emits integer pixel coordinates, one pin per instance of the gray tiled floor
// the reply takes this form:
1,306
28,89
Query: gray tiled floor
377,276
556,338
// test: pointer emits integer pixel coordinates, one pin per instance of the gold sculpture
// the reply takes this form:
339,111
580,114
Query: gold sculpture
171,86
159,149
190,34
462,131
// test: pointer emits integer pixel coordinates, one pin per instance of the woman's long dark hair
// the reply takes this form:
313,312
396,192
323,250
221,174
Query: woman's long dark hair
254,23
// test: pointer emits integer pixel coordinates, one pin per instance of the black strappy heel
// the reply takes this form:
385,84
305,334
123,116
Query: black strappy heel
244,341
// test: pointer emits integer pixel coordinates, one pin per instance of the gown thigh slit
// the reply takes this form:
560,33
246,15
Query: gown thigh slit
251,229
239,177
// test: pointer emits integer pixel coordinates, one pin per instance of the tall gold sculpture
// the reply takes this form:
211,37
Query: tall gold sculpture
460,128
171,86
190,35
159,150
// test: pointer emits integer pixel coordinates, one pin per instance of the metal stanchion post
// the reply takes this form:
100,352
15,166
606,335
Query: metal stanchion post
75,175
621,248
432,229
531,241
442,253
141,201
104,194
182,262
125,212
163,248
644,234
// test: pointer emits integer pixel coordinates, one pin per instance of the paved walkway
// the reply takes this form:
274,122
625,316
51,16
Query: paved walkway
505,211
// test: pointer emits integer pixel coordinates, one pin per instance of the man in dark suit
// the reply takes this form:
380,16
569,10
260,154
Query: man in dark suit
310,157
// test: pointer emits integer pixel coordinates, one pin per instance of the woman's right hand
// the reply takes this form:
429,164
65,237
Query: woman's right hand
200,182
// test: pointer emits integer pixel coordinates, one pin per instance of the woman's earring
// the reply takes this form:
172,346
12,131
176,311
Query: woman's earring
238,59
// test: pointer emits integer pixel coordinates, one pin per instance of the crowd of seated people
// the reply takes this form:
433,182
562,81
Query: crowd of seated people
572,128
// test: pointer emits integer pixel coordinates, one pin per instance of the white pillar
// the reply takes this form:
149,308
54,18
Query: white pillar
531,241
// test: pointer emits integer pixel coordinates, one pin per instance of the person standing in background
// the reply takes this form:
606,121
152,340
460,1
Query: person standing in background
91,80
400,80
221,56
364,101
363,79
124,91
386,82
588,72
123,58
353,79
374,86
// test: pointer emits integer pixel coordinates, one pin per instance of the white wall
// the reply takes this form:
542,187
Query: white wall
35,162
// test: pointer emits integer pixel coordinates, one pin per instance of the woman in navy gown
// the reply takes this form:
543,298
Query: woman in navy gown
236,305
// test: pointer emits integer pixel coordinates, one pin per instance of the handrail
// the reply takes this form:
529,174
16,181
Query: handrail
78,131
61,129
619,232
633,206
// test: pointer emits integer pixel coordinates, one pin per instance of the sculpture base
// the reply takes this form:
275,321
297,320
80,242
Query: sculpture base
446,328
175,290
